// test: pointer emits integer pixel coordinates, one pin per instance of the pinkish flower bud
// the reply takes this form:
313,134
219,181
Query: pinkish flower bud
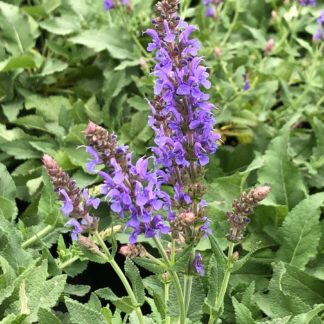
260,193
269,46
132,250
187,218
143,63
274,15
218,51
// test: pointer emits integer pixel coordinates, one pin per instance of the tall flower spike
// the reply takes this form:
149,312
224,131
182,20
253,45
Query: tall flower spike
76,203
238,218
133,191
181,117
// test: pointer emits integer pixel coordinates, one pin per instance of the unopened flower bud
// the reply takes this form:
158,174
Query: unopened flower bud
88,244
260,193
274,15
133,250
218,51
269,46
235,256
143,63
187,218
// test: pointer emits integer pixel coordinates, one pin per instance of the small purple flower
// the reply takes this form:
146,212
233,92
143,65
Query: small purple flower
77,228
94,202
108,4
246,86
67,207
198,266
94,161
305,3
320,32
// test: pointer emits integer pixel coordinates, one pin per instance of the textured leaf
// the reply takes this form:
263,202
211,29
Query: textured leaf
308,317
301,232
82,314
149,265
291,291
283,177
7,185
47,317
113,39
134,276
8,208
242,313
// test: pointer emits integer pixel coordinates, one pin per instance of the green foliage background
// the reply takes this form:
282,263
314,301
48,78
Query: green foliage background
64,62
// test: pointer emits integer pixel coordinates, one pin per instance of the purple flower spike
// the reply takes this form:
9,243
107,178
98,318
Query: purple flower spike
198,266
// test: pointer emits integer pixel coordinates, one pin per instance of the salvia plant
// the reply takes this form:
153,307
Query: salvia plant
160,198
157,172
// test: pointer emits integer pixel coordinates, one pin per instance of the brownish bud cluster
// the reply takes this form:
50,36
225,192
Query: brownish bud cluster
61,180
88,244
133,250
243,207
105,144
167,10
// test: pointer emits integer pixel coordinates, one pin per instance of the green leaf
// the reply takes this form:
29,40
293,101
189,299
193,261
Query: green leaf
82,314
134,276
18,30
47,317
25,61
308,317
301,232
242,314
183,258
217,251
8,209
64,25
76,290
114,39
149,265
7,185
283,177
291,291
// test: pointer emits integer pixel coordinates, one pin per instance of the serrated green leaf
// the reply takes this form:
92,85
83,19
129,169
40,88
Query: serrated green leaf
8,209
82,314
149,265
111,38
308,317
301,232
134,276
217,251
242,314
7,185
283,177
47,317
76,290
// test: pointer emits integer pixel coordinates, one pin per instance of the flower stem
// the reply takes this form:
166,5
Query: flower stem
67,263
220,298
232,25
175,280
121,276
166,300
187,291
46,230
